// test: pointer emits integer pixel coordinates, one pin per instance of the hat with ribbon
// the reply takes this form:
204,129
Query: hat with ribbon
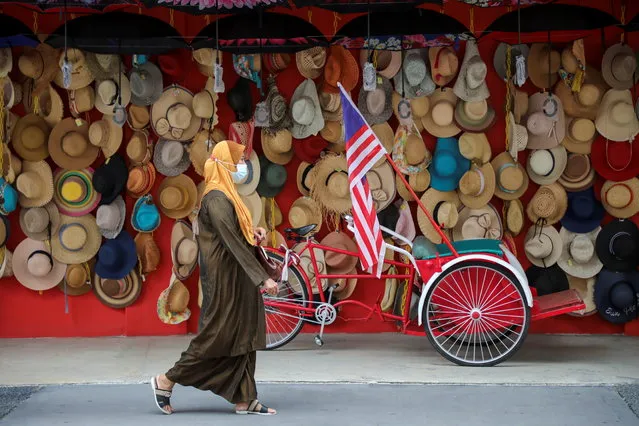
481,223
545,166
107,135
35,184
547,280
546,121
29,138
140,181
80,73
146,84
615,160
110,178
375,105
306,111
620,198
34,267
74,193
616,295
549,204
272,178
440,121
500,62
117,294
618,66
117,257
580,134
170,157
205,106
110,218
381,181
578,256
310,62
444,64
103,66
443,208
414,80
584,213
69,144
475,116
173,303
177,196
616,118
78,279
477,186
40,223
149,255
304,177
617,245
543,65
471,84
387,62
202,147
475,147
145,216
511,178
542,245
184,249
578,174
341,66
249,184
448,165
77,240
8,198
172,115
112,92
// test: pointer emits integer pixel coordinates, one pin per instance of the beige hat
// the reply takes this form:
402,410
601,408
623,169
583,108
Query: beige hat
477,186
545,166
475,224
310,62
519,102
418,182
306,263
444,64
41,64
108,91
40,223
35,184
205,105
444,208
172,115
306,111
542,246
338,263
387,62
34,267
475,116
517,136
138,117
77,240
618,66
580,134
206,59
278,147
440,122
514,216
586,289
475,147
177,196
541,60
80,73
184,249
250,182
331,104
304,177
80,101
305,211
381,181
30,137
578,174
549,204
139,149
621,199
584,103
103,66
202,146
471,84
511,177
69,145
106,134
386,136
330,184
546,122
50,105
616,119
579,257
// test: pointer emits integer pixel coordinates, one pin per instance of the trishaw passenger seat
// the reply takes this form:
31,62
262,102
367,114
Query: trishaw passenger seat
423,248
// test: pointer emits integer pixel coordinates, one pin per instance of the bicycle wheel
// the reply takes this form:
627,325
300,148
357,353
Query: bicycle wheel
284,323
475,314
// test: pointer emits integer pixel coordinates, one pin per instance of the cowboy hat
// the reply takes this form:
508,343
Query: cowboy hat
542,245
578,257
618,66
331,104
444,64
339,263
145,216
546,122
471,83
272,178
387,62
120,293
414,80
440,121
202,146
74,193
170,157
40,223
306,111
35,184
172,306
330,184
34,267
382,185
177,196
77,279
514,216
615,295
310,62
580,134
586,102
341,66
80,101
77,240
308,266
475,147
547,280
110,218
448,165
146,84
184,249
585,287
475,116
443,208
112,92
620,198
305,211
30,137
511,178
549,204
109,180
375,105
584,213
117,257
172,115
477,186
278,147
616,118
545,166
252,179
542,60
617,245
500,62
480,223
578,174
107,135
41,64
138,117
615,160
69,144
103,66
148,252
253,203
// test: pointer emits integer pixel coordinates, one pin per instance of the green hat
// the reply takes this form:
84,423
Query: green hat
272,178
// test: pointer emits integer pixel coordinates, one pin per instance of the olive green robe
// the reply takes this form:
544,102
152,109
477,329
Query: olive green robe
221,358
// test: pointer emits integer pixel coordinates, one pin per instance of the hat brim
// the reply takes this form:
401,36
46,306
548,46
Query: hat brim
561,199
156,80
386,112
191,192
90,248
583,225
320,190
489,183
606,67
610,130
135,288
625,212
45,186
303,171
560,156
116,133
600,159
171,96
301,131
538,69
21,272
498,163
163,168
61,158
569,265
477,126
557,246
310,206
27,154
249,187
180,231
349,263
430,199
82,290
281,158
602,245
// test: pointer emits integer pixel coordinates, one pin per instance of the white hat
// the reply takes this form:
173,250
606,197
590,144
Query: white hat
545,166
616,118
471,82
579,257
306,111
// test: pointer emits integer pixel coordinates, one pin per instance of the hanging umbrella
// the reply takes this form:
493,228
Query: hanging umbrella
118,32
15,33
633,25
71,5
260,32
206,7
399,30
357,6
497,3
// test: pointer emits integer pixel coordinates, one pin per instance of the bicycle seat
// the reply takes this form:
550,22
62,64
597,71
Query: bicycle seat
302,231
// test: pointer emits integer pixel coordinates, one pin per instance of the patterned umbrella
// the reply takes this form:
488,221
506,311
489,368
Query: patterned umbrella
14,33
357,6
206,7
73,5
497,3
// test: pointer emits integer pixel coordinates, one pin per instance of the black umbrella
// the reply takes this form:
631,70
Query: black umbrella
357,6
52,5
260,32
118,32
633,25
498,3
14,33
552,17
207,7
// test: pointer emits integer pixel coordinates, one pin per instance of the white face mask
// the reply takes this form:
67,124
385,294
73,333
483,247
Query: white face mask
240,174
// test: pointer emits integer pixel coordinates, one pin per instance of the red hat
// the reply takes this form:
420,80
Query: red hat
276,62
341,66
310,149
615,161
175,63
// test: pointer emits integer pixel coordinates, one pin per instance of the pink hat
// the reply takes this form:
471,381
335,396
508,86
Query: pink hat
405,224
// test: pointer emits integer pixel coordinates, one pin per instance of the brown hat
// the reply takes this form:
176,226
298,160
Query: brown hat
338,263
107,135
205,59
205,105
475,147
330,184
477,186
511,177
177,196
138,117
305,211
141,179
387,62
304,177
584,103
148,253
440,122
41,64
78,279
202,146
184,249
443,208
80,101
40,223
49,105
117,294
418,182
580,134
620,198
549,204
331,104
444,64
30,137
35,184
618,66
520,103
278,147
341,66
538,65
578,174
77,240
140,148
311,62
80,73
69,145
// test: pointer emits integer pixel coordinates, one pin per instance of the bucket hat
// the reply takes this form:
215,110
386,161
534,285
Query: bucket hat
543,246
74,193
578,256
107,135
475,116
481,223
616,295
580,134
542,60
40,223
620,198
177,196
110,218
80,73
35,184
617,245
471,83
387,62
310,62
511,178
119,293
500,62
414,80
616,118
547,280
272,178
440,121
341,66
34,267
149,255
146,84
145,216
549,204
546,122
306,111
112,92
618,66
444,64
578,174
444,209
109,180
375,105
78,279
77,240
69,144
30,137
477,186
584,213
172,306
545,166
615,160
184,249
140,181
117,257
338,263
170,157
448,165
172,115
249,184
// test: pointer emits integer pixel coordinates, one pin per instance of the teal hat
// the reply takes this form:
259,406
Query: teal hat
8,198
272,178
146,216
448,165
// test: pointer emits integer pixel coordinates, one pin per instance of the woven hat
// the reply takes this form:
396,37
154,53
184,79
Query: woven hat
376,106
448,165
69,144
617,245
615,160
110,218
117,294
253,203
341,66
145,216
517,136
615,296
272,178
338,263
172,115
146,84
249,184
276,62
330,184
307,264
474,116
242,133
440,121
620,199
41,64
331,104
304,177
584,213
184,249
306,111
543,246
110,178
387,62
586,290
514,216
74,193
616,118
414,80
311,62
35,184
39,223
177,196
140,181
386,136
279,116
547,280
149,255
333,132
381,181
549,204
541,60
480,223
205,106
30,137
418,182
545,166
578,174
8,198
202,147
77,240
170,157
580,134
585,103
278,147
618,66
471,83
34,267
107,135
578,257
206,59
117,257
443,208
111,92
305,211
78,279
50,105
138,117
444,64
546,122
477,186
80,101
103,66
511,177
173,303
475,147
500,62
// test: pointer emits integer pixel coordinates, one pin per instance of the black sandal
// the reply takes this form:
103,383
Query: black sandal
256,408
162,396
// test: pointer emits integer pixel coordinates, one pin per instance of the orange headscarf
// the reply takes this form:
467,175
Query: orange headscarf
217,175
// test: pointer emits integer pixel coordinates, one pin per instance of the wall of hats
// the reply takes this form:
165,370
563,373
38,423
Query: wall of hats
98,200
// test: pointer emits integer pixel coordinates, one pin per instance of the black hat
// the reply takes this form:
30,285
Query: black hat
110,178
239,99
547,280
617,245
616,295
389,217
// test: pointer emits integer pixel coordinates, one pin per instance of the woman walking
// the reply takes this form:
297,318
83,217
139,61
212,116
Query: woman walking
221,358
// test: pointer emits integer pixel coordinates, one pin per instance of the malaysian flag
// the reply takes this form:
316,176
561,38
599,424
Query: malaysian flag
363,150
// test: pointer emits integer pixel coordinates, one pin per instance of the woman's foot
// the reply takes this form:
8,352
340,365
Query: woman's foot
162,390
254,407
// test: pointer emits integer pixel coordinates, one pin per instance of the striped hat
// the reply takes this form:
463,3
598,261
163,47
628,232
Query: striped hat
73,192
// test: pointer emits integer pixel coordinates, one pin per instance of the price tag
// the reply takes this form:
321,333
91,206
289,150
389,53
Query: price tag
368,77
218,72
261,117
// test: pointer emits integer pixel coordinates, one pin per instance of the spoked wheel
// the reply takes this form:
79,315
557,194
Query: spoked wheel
475,314
284,323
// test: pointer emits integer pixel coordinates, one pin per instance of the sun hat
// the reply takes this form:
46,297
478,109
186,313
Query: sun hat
375,105
145,216
584,213
616,118
277,147
474,116
471,83
272,178
547,280
110,218
80,101
177,196
511,178
11,166
330,184
35,184
30,137
338,263
414,80
306,264
305,211
541,60
477,186
545,166
117,257
304,177
549,204
543,245
117,294
517,136
250,182
386,136
103,66
205,106
146,84
341,66
80,73
578,174
480,223
69,144
310,62
617,245
475,147
418,182
333,132
202,147
586,102
148,252
444,64
8,198
546,122
514,216
276,62
172,306
387,62
10,89
500,62
615,295
519,100
440,122
615,160
184,249
448,165
586,290
49,102
443,208
138,117
172,115
74,193
140,181
112,92
580,134
77,240
381,181
205,59
41,64
107,135
620,198
170,157
77,279
110,178
578,257
306,111
40,223
405,224
34,267
618,66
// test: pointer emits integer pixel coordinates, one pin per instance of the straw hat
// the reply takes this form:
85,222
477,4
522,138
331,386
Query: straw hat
333,132
29,138
34,267
278,147
172,306
117,294
112,92
585,287
511,178
477,186
177,196
475,147
543,246
145,216
276,62
387,62
35,184
478,223
440,120
6,265
448,165
514,216
306,111
474,116
170,157
69,144
381,181
202,146
110,178
50,104
549,204
80,101
80,73
616,118
304,177
418,182
110,218
346,286
617,246
414,80
305,211
584,213
578,174
206,58
272,178
310,62
585,103
103,66
148,252
545,166
172,115
578,257
249,184
146,84
338,263
618,66
77,240
117,257
500,62
140,181
341,66
107,135
331,104
386,136
541,60
41,64
74,193
330,184
517,136
444,208
78,279
580,134
376,106
205,106
306,264
405,224
546,122
444,64
471,83
40,223
138,117
620,199
184,249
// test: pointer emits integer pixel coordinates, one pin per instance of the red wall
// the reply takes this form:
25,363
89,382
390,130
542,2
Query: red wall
24,313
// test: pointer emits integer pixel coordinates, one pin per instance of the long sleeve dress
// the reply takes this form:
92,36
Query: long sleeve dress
221,358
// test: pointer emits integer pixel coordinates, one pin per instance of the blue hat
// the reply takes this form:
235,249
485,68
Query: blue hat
146,216
616,295
117,257
8,198
584,212
448,165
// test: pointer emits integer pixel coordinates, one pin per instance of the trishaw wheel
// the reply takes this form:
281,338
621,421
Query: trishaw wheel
284,323
475,314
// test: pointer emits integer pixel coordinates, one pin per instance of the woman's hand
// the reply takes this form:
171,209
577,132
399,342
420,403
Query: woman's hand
259,234
270,287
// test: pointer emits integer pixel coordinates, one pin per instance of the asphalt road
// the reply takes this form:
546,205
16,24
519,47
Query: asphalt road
352,405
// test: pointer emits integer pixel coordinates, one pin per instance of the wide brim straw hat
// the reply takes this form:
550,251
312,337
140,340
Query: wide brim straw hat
387,62
305,211
202,146
481,223
118,294
586,102
304,177
477,186
585,287
50,104
138,117
511,178
545,166
338,263
541,61
174,96
106,135
172,305
76,151
440,120
78,279
578,174
184,249
249,184
30,138
254,204
74,193
543,246
474,116
330,184
500,62
119,206
418,183
386,136
81,100
616,118
39,223
78,239
376,106
177,196
35,184
432,200
34,267
41,64
549,204
514,216
341,66
620,198
310,62
474,69
475,147
545,131
103,66
159,159
120,83
586,268
580,134
618,66
80,73
205,60
305,106
278,147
